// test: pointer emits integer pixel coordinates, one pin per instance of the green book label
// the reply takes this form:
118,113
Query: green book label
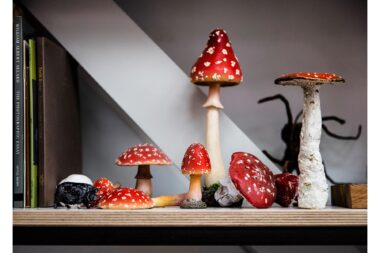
33,124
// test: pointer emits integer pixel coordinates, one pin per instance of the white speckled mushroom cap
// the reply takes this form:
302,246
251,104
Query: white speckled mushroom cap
196,160
308,79
218,62
143,154
126,198
253,179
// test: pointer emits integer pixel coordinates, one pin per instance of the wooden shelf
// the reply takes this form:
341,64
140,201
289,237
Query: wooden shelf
176,217
175,226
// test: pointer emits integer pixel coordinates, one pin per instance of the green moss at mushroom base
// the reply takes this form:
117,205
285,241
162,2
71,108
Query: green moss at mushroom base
208,195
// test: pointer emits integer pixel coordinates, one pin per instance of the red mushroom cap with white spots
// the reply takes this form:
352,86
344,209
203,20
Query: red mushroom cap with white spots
196,160
105,187
217,63
143,154
126,198
252,179
309,78
287,188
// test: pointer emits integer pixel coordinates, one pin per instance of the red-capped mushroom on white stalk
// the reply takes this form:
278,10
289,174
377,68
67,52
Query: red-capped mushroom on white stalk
143,155
313,188
195,163
216,67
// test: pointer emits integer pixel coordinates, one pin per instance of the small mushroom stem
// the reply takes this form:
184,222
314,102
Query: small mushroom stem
313,189
213,105
169,200
143,179
195,188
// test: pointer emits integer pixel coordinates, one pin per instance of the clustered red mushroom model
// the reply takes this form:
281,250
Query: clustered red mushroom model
313,189
195,163
105,188
216,67
143,155
287,188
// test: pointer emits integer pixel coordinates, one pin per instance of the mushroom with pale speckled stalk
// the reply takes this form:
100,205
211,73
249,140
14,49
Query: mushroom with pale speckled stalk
313,189
216,67
195,163
143,155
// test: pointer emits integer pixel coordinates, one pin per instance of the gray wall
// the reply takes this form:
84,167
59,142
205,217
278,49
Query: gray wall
106,132
142,81
272,38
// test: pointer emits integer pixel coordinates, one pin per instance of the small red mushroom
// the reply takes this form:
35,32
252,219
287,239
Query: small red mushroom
143,155
216,67
126,198
252,179
195,163
287,188
105,187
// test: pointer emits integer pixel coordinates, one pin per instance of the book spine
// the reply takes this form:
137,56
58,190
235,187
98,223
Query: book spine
40,84
18,115
26,126
33,124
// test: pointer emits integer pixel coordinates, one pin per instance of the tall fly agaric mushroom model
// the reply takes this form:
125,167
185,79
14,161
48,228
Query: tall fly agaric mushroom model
313,189
143,155
216,67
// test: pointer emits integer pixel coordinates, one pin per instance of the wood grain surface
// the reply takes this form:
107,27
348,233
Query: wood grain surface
176,217
349,195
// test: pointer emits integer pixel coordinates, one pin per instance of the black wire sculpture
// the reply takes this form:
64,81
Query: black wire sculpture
290,134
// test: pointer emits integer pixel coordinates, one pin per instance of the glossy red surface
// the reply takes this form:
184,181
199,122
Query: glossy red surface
126,198
196,160
105,187
143,154
252,179
287,188
217,63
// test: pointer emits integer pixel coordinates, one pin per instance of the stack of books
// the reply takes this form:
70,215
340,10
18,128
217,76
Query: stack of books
46,124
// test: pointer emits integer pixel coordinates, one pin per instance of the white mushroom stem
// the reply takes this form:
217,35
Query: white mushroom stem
143,179
195,188
213,106
313,189
213,98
